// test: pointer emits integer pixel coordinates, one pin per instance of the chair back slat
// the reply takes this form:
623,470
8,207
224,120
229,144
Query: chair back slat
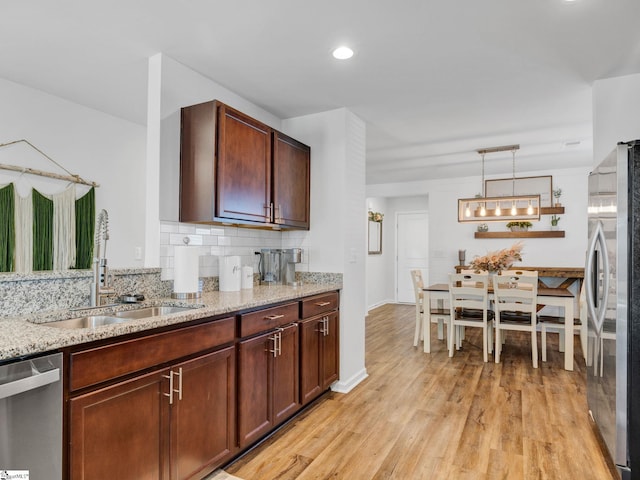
418,285
516,293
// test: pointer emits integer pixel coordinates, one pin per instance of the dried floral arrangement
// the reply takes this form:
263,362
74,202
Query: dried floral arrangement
375,216
498,260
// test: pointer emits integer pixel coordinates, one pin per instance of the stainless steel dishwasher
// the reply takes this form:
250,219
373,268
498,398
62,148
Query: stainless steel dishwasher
31,416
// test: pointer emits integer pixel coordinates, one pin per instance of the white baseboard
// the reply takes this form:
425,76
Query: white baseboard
379,304
351,383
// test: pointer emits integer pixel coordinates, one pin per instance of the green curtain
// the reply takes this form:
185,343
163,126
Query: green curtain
7,228
85,226
42,232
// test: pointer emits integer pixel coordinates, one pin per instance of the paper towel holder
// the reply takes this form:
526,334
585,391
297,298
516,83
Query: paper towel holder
186,295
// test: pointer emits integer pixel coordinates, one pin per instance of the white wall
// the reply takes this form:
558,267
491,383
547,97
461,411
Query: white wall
616,103
379,292
336,241
447,236
89,143
381,269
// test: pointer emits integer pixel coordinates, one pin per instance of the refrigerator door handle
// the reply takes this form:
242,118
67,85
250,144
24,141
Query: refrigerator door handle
597,239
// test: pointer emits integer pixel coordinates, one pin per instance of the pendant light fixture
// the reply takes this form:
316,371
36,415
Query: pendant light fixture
503,208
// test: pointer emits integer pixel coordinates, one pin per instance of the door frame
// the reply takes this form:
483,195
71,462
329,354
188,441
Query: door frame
396,253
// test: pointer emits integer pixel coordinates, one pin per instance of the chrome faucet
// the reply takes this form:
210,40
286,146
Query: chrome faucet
100,286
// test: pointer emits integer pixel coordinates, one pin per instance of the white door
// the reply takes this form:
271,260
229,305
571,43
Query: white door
412,252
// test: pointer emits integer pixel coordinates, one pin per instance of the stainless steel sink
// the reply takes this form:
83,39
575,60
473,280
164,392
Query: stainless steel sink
92,321
151,312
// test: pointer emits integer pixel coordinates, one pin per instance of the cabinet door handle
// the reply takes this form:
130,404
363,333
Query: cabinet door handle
278,217
277,343
322,304
324,327
274,339
269,212
280,343
273,317
179,391
170,394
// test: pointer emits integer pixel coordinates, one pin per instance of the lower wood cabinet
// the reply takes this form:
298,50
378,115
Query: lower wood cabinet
318,355
140,429
156,407
268,391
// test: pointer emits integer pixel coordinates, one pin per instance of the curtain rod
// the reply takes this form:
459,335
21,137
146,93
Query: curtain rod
32,171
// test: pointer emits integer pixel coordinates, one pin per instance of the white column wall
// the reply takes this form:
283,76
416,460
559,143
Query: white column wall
336,241
616,118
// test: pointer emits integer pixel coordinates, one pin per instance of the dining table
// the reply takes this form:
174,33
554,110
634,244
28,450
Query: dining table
558,297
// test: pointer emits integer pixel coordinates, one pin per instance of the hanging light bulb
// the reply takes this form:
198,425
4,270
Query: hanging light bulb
487,208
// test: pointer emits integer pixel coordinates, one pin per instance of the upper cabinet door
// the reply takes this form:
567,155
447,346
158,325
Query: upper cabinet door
291,181
244,167
197,162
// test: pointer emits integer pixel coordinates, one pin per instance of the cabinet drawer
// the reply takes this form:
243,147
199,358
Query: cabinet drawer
319,304
97,365
262,320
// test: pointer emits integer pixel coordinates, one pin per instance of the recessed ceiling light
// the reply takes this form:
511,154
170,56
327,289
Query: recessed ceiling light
342,53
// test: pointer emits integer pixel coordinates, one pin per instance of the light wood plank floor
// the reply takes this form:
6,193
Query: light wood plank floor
426,416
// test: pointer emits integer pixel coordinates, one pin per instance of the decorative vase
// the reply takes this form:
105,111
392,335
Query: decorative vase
483,227
519,229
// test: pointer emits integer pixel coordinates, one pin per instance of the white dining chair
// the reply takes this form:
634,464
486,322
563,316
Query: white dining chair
469,307
551,323
515,308
437,315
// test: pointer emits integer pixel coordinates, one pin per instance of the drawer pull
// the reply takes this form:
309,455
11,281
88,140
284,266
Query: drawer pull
323,304
273,317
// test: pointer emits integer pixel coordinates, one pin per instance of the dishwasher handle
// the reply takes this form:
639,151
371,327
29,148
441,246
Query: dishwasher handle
29,383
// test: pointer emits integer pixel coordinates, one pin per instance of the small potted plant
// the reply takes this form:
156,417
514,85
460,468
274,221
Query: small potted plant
557,193
519,226
554,222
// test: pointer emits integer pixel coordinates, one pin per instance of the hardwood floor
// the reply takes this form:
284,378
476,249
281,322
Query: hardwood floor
428,416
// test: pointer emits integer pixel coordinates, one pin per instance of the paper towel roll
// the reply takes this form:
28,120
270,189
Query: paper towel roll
185,269
230,273
247,277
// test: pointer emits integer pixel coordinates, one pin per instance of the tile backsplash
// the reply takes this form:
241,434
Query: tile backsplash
216,241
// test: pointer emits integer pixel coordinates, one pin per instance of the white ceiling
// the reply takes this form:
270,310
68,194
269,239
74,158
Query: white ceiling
433,79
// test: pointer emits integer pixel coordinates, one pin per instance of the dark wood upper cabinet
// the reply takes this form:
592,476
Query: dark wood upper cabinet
291,181
197,162
244,167
236,169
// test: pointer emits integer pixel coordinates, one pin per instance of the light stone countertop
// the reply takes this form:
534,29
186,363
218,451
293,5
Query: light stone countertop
28,334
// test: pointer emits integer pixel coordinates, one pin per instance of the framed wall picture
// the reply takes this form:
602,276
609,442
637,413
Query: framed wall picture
375,238
505,187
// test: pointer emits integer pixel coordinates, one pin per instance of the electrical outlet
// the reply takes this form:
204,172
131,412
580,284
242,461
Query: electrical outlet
138,253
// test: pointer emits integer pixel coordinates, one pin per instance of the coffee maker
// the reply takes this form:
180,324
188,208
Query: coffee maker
269,266
290,257
278,266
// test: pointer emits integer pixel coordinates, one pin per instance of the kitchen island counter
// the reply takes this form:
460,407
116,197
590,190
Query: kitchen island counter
28,334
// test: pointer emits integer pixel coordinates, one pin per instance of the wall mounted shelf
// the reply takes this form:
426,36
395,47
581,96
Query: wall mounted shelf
533,234
551,210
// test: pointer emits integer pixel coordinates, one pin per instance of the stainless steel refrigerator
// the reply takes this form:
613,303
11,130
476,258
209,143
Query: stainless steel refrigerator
612,286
